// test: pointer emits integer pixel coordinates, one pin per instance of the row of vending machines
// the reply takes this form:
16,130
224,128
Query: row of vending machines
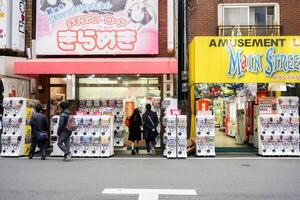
113,107
278,126
16,133
93,136
175,136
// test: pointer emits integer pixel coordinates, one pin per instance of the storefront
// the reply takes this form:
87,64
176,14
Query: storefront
227,78
121,66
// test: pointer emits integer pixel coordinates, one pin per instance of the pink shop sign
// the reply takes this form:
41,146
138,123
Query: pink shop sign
96,27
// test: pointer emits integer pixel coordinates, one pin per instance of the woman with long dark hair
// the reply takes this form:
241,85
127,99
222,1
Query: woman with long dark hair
135,123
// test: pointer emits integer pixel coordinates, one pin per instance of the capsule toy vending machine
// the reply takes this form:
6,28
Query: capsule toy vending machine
167,105
96,137
181,136
279,132
119,132
171,136
54,123
205,135
107,143
16,137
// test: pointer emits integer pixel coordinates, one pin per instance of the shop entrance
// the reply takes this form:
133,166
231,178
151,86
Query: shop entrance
233,107
119,96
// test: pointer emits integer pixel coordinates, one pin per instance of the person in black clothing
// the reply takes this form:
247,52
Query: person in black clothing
150,122
135,123
39,123
62,132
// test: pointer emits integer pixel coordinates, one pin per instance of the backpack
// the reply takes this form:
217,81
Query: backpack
71,124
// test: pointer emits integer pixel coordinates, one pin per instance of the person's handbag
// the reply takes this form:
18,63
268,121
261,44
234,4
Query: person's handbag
41,136
155,133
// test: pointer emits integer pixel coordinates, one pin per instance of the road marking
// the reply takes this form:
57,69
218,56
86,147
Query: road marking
148,194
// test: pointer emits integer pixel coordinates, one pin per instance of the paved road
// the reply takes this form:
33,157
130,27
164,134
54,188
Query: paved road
85,179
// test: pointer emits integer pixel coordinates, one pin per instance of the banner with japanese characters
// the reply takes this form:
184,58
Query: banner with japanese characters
96,27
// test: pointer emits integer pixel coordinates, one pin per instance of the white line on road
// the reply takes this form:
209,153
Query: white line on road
149,194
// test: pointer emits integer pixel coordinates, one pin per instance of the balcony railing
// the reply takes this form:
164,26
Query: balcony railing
251,30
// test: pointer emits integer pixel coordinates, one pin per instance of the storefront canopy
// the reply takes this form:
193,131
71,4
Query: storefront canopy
96,66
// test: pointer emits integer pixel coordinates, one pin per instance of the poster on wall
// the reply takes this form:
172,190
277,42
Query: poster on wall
5,21
18,25
96,27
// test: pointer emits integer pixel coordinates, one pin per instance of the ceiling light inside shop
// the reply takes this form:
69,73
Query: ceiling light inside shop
92,76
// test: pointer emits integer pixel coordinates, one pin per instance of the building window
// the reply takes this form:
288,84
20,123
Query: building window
248,19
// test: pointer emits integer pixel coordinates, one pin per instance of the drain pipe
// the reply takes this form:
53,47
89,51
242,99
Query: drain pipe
182,48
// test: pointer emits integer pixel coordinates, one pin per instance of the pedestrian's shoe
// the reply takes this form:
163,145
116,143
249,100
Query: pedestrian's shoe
43,158
152,151
30,157
137,150
68,157
133,152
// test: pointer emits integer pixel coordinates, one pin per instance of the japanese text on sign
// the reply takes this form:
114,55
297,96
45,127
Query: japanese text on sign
89,40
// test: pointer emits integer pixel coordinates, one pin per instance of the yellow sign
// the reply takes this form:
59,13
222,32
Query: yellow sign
245,60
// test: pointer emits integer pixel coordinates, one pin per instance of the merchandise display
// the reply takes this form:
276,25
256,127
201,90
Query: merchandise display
218,111
16,136
205,135
232,118
278,134
92,138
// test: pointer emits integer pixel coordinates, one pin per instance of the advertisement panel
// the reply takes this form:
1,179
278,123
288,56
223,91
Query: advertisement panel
245,60
96,27
5,21
18,25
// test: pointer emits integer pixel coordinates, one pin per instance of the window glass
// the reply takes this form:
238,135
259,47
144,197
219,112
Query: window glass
258,15
235,16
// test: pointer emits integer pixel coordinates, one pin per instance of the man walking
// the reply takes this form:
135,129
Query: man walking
63,133
39,125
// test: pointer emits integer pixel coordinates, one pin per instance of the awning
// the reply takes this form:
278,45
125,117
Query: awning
96,66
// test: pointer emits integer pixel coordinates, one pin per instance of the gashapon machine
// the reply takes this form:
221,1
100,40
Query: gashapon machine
92,138
107,143
16,136
119,131
170,135
54,136
181,136
114,107
279,132
168,104
205,135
